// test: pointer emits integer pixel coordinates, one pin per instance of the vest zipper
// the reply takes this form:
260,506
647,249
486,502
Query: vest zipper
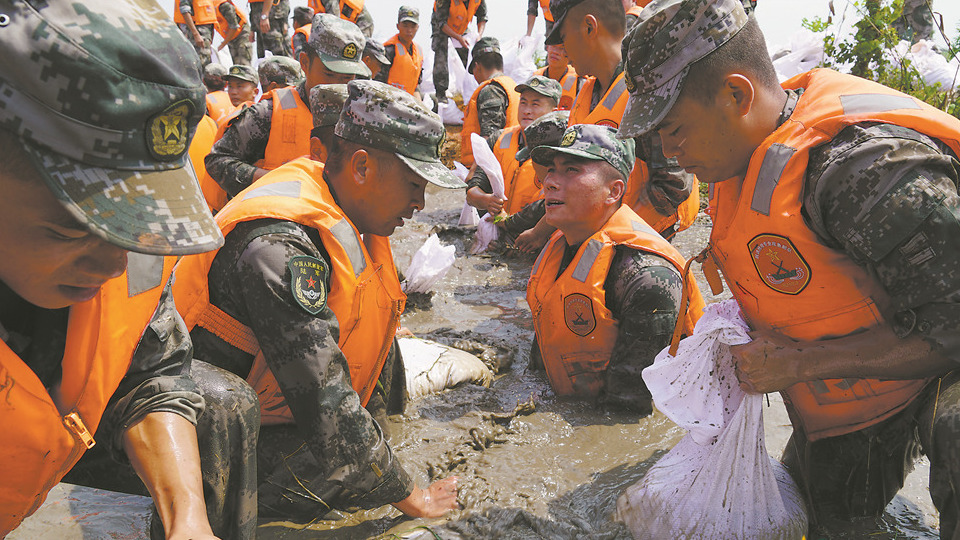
75,425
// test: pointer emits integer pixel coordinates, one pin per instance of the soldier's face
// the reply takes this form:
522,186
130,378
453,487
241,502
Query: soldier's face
390,193
317,73
557,56
532,106
240,91
407,31
47,257
577,193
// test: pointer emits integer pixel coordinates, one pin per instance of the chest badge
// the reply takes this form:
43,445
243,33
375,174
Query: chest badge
578,314
308,283
780,265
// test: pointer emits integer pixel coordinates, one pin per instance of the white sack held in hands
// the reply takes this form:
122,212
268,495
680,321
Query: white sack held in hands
428,266
482,154
718,482
468,215
432,367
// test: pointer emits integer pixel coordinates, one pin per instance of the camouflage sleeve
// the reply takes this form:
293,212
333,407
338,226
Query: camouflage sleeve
482,11
231,160
299,42
365,22
669,184
480,180
229,13
331,6
158,379
185,6
525,218
533,7
887,196
390,51
643,293
441,12
492,112
301,350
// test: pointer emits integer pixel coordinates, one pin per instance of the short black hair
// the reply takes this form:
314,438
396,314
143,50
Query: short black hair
213,82
490,60
302,15
609,13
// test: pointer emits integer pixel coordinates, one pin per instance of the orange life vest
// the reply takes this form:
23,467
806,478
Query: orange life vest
204,12
364,290
200,146
568,84
636,9
349,9
304,31
290,128
405,70
471,119
545,7
783,276
461,11
520,180
219,106
45,434
575,330
222,25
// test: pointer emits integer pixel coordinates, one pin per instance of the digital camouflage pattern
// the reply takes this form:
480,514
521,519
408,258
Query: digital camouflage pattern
915,21
439,42
280,69
387,118
668,37
117,162
240,47
375,49
243,73
275,40
326,102
544,131
408,13
484,45
338,43
205,49
492,103
545,86
593,142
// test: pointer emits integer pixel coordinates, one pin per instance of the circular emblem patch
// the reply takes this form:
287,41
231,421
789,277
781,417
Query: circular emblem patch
308,282
578,314
349,52
167,132
568,138
608,123
780,265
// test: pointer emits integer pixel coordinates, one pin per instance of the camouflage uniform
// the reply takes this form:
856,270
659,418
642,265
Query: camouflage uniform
241,50
364,20
916,20
885,196
440,41
336,455
282,70
533,8
275,40
206,31
95,157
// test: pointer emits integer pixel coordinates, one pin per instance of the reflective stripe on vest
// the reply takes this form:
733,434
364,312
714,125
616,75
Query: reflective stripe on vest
568,86
204,13
222,25
290,128
520,179
461,11
406,67
471,119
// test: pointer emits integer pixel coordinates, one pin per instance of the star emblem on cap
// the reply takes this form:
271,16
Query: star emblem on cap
349,51
568,138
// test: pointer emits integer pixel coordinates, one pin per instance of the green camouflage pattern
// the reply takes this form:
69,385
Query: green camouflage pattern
387,118
545,86
205,49
484,45
243,73
492,103
544,131
326,102
668,37
375,49
559,10
593,142
408,13
280,69
109,130
240,47
215,70
275,40
339,44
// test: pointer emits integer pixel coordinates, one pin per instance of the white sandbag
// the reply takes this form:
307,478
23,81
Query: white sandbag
487,230
933,67
432,367
517,55
468,214
428,266
805,53
718,482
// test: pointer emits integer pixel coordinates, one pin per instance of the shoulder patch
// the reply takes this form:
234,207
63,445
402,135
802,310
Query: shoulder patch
780,265
578,314
308,277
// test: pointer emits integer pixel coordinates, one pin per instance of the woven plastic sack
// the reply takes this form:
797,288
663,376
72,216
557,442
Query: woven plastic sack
718,482
428,266
432,367
487,230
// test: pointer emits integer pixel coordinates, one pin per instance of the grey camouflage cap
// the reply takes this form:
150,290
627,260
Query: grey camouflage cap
545,86
559,10
243,73
280,69
544,131
383,117
104,97
326,102
484,45
214,69
339,44
593,142
375,49
668,37
407,13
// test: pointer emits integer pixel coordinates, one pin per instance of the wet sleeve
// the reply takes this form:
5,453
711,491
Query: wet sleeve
492,112
525,218
669,184
301,350
482,11
533,7
158,379
480,180
643,293
231,160
887,196
185,6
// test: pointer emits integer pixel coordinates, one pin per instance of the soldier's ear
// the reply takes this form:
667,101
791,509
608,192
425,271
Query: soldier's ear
360,166
617,188
317,151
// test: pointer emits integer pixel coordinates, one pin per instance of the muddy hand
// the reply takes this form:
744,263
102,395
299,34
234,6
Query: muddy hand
440,497
766,364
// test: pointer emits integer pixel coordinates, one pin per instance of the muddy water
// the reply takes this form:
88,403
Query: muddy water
530,465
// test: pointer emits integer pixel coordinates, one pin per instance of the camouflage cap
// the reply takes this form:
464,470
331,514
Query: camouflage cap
326,102
668,37
545,86
375,49
104,97
544,131
408,13
559,9
280,69
381,116
243,73
214,69
593,142
484,45
339,44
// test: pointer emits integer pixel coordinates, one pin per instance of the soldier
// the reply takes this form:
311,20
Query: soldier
559,69
233,27
607,288
326,102
493,105
354,11
375,58
450,20
835,211
270,26
242,84
532,7
405,56
219,106
286,311
98,203
196,19
278,72
249,148
302,16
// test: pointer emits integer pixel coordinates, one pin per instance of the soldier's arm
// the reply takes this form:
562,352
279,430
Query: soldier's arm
229,13
643,292
887,197
481,16
299,41
492,108
390,51
331,6
231,160
669,184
